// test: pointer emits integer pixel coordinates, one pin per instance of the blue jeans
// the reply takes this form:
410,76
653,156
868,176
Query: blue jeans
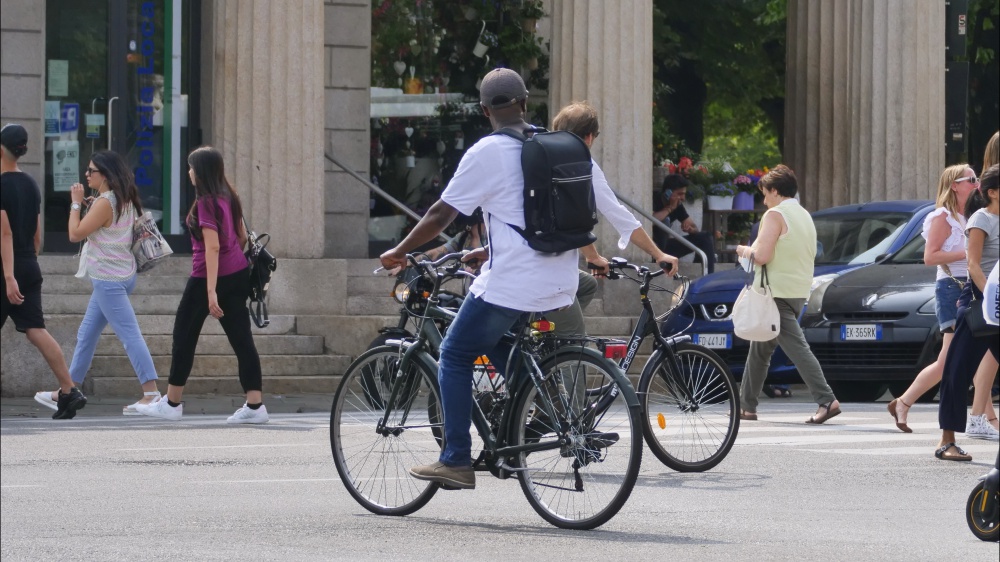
946,293
109,304
476,331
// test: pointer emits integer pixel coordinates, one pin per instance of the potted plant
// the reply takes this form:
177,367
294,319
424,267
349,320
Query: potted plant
531,12
720,196
743,201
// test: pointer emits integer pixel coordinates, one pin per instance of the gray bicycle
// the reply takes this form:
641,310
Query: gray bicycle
539,420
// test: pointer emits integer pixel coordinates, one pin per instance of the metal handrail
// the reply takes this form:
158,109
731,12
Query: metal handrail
402,207
381,193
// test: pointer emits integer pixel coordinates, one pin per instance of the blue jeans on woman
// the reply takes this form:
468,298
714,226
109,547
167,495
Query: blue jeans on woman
476,331
109,304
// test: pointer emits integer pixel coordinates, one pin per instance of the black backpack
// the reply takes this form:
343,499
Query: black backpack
559,207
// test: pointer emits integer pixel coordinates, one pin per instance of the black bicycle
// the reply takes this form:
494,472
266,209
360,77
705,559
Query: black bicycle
566,424
689,398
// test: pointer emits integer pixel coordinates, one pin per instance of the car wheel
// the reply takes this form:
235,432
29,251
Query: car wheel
897,389
857,391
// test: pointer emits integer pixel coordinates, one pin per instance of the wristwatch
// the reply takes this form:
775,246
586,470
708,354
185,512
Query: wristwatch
75,207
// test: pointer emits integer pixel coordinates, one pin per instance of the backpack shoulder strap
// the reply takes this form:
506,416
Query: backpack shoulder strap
512,133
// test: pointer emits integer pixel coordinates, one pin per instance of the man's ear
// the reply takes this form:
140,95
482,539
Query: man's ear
486,110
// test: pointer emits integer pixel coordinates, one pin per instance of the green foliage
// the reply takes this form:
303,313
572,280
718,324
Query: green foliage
734,52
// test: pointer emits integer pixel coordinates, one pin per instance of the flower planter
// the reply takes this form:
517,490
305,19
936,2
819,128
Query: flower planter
743,201
659,173
720,203
529,24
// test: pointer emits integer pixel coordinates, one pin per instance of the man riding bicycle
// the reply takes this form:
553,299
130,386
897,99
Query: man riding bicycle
515,280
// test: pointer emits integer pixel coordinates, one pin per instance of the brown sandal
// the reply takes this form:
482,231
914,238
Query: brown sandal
750,416
892,412
816,420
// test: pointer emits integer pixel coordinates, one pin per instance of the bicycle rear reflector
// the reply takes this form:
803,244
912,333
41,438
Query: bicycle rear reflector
543,326
615,350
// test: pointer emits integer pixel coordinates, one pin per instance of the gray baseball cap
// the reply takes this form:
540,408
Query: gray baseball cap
502,87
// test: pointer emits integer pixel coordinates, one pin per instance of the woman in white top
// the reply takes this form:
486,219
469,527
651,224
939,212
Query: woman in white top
944,230
109,263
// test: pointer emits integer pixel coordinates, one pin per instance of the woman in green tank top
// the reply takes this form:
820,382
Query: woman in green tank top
787,246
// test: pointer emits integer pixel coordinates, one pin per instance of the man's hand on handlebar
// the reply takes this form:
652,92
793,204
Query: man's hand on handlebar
598,266
393,259
474,259
670,261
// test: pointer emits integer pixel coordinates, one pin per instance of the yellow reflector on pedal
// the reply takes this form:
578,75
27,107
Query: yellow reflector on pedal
661,421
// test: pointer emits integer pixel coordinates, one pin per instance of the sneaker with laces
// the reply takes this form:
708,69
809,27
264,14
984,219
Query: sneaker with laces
45,399
68,404
130,410
979,428
451,477
161,409
246,414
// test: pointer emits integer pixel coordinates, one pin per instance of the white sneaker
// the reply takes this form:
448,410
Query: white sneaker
247,415
130,410
979,428
45,399
161,409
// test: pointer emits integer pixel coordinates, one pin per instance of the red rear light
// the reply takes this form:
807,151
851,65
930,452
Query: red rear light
543,326
615,350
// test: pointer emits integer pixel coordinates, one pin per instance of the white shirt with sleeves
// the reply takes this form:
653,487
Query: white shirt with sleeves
621,218
954,242
515,276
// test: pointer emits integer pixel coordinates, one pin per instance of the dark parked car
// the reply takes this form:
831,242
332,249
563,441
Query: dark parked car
875,326
848,237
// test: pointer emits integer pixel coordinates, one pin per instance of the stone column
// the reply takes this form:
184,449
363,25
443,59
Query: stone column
864,103
264,105
602,52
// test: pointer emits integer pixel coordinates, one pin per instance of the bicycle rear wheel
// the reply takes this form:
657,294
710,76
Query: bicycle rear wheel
584,483
690,418
372,463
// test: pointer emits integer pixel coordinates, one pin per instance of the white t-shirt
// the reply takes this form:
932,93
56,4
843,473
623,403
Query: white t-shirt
516,276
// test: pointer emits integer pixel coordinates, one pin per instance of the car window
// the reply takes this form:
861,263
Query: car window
911,253
856,238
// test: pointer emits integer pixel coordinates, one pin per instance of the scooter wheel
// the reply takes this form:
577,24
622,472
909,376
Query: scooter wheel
984,522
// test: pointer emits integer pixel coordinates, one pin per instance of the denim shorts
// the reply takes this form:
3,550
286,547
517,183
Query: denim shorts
946,293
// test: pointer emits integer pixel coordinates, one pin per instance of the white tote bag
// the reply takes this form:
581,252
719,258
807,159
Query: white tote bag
991,297
755,314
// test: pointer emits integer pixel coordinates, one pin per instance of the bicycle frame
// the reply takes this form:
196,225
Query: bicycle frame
428,333
646,326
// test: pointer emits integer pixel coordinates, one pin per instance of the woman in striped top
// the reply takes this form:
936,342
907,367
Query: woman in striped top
109,263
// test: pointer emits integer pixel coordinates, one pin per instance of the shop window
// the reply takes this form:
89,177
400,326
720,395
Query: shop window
427,60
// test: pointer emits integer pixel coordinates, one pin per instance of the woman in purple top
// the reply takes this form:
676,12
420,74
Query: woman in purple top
219,286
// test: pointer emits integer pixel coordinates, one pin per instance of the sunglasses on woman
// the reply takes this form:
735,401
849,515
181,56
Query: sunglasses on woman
972,179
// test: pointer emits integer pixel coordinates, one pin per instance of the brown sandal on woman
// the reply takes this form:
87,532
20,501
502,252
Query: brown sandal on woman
749,416
892,412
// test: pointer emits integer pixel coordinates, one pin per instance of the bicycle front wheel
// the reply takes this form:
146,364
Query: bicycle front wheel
374,461
586,481
691,418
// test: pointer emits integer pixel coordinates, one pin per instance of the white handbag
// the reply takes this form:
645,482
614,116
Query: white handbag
755,314
81,270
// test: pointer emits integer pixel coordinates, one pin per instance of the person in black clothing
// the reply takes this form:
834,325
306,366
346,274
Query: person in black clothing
21,287
668,206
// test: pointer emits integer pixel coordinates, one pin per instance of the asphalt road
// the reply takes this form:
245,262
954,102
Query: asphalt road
105,487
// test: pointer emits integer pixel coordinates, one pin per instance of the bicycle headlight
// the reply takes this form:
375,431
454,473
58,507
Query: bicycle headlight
817,291
401,292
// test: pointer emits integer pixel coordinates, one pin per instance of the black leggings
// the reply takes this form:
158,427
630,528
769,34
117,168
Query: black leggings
233,291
